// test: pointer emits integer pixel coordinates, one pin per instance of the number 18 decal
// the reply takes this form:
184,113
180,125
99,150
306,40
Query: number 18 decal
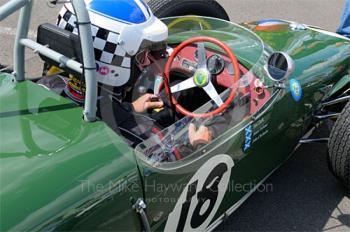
202,196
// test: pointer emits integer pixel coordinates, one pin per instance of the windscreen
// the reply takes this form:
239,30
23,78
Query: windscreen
245,79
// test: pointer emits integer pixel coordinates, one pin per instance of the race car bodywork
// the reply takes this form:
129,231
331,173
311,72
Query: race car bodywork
59,172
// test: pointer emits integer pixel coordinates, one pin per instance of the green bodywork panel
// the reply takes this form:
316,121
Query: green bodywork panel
58,172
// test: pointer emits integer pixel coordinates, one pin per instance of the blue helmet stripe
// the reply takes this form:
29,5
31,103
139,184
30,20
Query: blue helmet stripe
127,11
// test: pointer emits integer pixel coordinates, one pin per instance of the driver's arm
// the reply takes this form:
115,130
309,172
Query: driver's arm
147,102
204,134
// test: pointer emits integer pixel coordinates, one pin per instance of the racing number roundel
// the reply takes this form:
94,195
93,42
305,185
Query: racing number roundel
202,196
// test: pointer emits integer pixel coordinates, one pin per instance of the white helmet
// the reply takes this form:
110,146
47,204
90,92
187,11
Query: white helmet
120,29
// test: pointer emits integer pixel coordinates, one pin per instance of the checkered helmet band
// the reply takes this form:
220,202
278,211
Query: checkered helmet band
112,61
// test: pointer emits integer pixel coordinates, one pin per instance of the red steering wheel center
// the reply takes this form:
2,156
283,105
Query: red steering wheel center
199,76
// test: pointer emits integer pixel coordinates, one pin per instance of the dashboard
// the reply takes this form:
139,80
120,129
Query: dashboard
216,63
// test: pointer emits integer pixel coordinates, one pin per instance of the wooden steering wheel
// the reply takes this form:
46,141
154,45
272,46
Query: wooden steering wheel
202,77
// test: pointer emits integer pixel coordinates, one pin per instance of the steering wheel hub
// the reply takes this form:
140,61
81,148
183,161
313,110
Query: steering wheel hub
201,78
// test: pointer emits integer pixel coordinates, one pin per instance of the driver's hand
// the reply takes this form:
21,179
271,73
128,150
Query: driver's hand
147,102
197,136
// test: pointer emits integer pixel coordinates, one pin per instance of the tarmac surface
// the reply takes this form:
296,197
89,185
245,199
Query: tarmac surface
305,196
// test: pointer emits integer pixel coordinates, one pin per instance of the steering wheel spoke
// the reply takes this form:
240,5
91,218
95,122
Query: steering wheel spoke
187,84
202,56
213,94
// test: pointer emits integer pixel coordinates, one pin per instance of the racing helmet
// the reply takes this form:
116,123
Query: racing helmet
120,30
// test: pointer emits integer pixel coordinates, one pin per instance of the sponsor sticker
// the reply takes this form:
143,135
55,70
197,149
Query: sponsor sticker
255,132
296,90
104,70
248,138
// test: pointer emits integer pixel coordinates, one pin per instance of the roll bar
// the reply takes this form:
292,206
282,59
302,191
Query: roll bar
86,68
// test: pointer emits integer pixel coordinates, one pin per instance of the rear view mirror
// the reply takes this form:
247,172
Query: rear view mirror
279,66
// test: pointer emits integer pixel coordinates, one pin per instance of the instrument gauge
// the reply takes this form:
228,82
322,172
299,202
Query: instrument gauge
215,64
